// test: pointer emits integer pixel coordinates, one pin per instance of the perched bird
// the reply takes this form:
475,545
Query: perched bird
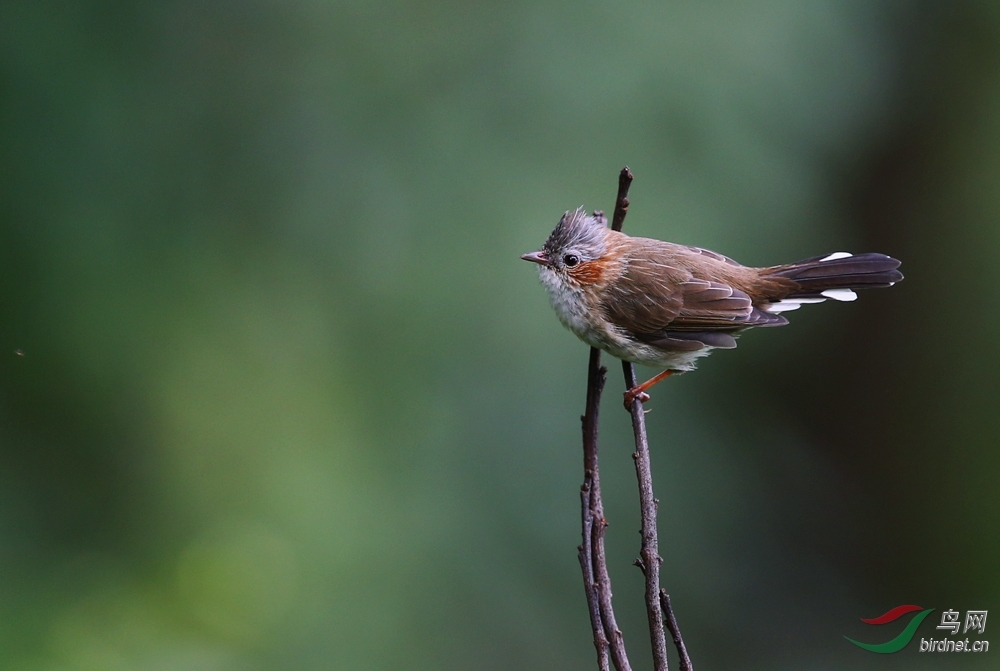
667,305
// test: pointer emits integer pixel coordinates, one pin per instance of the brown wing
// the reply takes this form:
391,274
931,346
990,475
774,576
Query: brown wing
711,304
662,303
713,255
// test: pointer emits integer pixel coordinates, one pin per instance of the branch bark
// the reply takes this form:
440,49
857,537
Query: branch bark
649,556
607,637
597,583
675,631
649,560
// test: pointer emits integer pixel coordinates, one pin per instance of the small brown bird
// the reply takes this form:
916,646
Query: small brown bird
667,305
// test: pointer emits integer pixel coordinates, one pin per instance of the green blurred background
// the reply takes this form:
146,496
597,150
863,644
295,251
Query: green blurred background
277,393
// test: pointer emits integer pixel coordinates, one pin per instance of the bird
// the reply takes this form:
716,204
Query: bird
667,305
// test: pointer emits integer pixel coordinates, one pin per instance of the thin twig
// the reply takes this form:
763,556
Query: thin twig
597,582
590,587
615,641
590,499
649,558
675,631
621,202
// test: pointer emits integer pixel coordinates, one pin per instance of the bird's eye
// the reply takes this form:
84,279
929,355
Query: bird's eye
571,260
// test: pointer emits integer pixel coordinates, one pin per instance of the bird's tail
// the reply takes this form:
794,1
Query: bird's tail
834,276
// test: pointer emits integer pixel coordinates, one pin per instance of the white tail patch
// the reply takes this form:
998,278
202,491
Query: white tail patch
789,304
840,294
835,256
782,306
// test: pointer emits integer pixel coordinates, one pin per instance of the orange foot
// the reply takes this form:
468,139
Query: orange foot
633,394
639,391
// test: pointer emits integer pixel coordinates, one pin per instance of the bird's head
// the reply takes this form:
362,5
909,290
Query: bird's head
576,254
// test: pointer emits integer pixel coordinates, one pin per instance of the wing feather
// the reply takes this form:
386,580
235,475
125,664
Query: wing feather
662,303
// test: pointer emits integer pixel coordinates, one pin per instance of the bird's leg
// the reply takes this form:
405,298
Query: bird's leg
639,391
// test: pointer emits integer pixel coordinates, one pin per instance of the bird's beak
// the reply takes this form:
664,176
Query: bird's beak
537,257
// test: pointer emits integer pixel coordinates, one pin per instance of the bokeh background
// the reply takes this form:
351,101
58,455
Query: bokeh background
277,393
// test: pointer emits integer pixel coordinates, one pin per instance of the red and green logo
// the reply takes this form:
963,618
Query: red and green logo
898,643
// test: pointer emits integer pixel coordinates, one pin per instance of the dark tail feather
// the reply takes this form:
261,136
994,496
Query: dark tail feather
837,271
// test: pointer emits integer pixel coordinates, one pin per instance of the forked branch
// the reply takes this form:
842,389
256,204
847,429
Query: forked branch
596,582
607,636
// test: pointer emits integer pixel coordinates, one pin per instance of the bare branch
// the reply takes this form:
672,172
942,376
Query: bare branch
621,202
597,583
649,558
675,631
590,587
611,630
649,552
590,499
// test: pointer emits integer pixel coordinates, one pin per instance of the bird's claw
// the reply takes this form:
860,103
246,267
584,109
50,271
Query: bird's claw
633,394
